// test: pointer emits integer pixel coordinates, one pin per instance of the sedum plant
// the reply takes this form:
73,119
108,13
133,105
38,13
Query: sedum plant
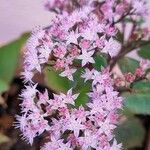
78,51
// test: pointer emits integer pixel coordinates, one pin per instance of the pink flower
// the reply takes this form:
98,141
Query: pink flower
85,44
111,31
112,47
68,73
107,9
129,77
145,64
29,92
72,38
106,127
88,141
88,74
139,6
60,51
74,125
43,98
139,72
59,64
31,61
119,82
74,51
56,103
80,114
122,7
44,54
89,35
56,144
86,57
69,98
27,76
100,42
116,146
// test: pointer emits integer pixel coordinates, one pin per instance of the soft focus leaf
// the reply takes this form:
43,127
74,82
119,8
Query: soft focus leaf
3,86
126,112
56,82
145,51
141,86
100,61
131,133
138,103
9,55
128,64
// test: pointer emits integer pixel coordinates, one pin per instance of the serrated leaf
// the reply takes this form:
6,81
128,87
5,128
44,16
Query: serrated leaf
9,55
83,97
145,51
130,133
138,103
128,64
81,87
56,82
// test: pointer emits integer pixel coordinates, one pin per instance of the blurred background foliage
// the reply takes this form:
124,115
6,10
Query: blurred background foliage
133,129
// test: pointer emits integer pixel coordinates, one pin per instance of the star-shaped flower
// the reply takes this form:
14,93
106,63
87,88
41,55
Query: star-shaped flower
74,125
86,57
69,98
112,47
68,73
88,74
72,37
116,146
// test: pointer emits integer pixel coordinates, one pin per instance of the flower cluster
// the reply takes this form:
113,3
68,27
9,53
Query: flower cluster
139,7
69,127
77,36
81,30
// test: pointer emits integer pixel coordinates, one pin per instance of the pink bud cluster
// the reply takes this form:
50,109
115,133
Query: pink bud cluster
129,78
81,30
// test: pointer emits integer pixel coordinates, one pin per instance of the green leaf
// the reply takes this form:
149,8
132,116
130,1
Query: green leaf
100,61
120,37
9,56
138,103
126,112
141,86
3,86
128,64
131,133
81,87
145,51
83,97
56,82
